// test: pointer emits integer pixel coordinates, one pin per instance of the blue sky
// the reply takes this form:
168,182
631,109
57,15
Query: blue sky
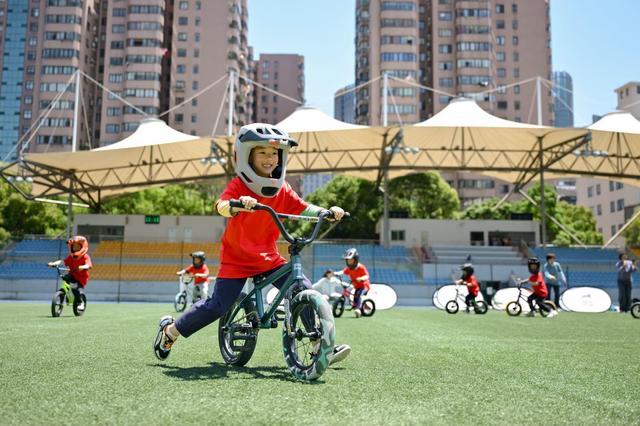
595,41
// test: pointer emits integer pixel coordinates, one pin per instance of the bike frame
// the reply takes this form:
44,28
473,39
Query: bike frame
65,286
293,268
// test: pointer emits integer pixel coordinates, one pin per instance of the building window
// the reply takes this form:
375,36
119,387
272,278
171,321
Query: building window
612,207
514,24
182,37
445,16
515,40
599,209
611,185
516,72
613,230
503,104
598,189
499,8
184,5
445,48
446,82
514,8
183,20
501,72
620,204
516,89
182,53
113,128
516,105
397,235
500,56
500,24
500,40
590,191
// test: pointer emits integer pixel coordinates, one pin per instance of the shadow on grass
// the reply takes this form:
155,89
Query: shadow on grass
217,370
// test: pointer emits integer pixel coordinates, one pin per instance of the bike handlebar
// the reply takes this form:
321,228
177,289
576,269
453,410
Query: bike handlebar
324,214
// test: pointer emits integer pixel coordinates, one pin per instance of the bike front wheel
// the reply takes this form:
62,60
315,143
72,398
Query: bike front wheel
338,307
57,304
452,306
309,339
180,304
635,310
513,309
368,308
76,305
238,333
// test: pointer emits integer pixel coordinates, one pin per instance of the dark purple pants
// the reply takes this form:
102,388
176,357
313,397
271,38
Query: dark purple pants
225,293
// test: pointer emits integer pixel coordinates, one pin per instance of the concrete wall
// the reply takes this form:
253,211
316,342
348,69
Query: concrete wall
454,232
170,228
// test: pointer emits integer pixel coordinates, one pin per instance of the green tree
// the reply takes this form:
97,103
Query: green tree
580,221
632,234
486,210
423,196
357,196
26,217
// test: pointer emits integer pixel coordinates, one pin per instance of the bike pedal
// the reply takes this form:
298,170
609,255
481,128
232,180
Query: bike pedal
248,342
279,315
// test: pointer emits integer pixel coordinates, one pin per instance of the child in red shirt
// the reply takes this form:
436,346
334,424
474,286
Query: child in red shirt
470,281
538,288
359,276
200,274
249,240
79,264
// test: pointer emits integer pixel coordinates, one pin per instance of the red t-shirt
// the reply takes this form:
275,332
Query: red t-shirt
193,270
538,285
358,271
472,285
249,241
82,276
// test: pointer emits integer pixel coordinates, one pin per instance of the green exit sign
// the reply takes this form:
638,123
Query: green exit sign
152,219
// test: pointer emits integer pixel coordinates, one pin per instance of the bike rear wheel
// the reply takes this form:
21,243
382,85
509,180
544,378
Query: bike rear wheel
83,300
237,336
180,304
635,310
338,307
550,307
309,345
368,308
481,307
513,309
57,303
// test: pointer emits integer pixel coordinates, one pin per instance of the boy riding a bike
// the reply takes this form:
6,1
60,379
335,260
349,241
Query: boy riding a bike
470,281
79,264
249,240
359,276
538,288
200,273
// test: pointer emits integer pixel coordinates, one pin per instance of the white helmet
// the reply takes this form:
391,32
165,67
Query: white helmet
264,135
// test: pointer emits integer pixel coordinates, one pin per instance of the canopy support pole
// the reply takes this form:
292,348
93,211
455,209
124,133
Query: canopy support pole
543,221
232,76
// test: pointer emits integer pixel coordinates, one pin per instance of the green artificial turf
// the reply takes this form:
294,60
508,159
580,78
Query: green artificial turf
416,366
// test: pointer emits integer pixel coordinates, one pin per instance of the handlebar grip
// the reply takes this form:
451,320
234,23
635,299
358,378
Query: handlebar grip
236,203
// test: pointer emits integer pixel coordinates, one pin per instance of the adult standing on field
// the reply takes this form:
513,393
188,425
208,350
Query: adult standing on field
554,277
625,268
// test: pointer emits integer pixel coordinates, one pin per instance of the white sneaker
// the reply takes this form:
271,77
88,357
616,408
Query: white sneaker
81,307
340,352
358,312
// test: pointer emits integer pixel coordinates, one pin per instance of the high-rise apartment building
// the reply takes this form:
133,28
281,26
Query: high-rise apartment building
283,73
563,99
344,104
154,54
629,98
43,44
457,47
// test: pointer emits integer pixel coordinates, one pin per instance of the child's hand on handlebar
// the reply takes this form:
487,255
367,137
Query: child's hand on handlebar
337,213
54,263
248,202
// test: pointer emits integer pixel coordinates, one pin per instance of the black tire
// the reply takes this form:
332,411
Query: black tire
635,310
338,307
549,305
57,303
243,324
513,309
78,312
180,304
308,348
452,307
368,308
481,307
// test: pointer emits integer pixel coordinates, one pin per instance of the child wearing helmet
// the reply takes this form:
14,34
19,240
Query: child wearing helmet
538,288
470,281
359,276
249,240
79,264
200,273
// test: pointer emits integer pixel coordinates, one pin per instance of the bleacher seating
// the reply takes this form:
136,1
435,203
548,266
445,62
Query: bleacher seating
602,279
576,255
18,270
143,272
40,248
483,255
154,250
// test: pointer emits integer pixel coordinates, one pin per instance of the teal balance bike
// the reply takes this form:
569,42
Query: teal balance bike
308,328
